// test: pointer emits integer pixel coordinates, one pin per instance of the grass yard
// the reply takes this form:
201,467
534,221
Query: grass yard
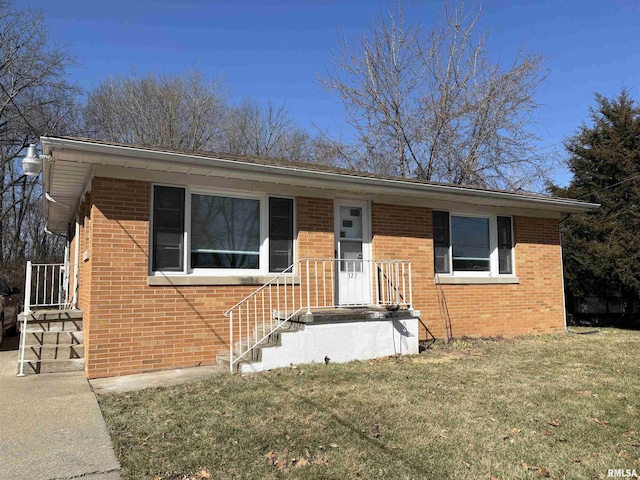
565,406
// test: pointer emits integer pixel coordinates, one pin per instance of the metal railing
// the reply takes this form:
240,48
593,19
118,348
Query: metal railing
312,284
46,286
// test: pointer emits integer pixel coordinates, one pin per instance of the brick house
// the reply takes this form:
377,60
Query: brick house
174,257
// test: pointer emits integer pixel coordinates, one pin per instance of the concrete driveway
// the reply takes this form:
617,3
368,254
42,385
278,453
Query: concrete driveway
50,426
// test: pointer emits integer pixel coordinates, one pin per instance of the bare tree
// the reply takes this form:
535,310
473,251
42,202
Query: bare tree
268,130
35,98
187,112
177,111
433,105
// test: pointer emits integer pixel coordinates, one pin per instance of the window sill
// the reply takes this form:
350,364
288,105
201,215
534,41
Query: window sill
192,280
455,280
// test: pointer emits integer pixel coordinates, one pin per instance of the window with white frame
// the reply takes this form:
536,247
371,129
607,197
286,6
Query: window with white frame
225,232
472,244
201,232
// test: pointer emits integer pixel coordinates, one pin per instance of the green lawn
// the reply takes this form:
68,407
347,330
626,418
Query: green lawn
564,406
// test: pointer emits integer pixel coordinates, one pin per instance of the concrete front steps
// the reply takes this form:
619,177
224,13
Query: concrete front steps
54,341
254,357
334,335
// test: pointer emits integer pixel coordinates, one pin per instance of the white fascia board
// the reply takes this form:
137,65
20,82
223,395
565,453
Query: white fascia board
246,170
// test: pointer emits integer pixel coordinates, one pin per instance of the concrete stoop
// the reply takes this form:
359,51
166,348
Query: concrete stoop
337,335
54,341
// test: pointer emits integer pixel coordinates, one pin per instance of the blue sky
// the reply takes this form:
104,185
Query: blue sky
274,50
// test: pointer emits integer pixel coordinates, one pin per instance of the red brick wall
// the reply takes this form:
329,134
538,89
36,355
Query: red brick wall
405,233
532,306
315,227
132,327
135,327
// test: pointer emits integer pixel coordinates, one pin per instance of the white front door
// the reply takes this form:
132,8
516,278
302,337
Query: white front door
352,234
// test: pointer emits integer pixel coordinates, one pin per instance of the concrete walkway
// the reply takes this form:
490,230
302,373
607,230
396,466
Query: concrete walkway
165,378
51,426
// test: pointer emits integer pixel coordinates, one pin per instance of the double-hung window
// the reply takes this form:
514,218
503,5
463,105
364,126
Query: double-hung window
196,232
472,244
225,232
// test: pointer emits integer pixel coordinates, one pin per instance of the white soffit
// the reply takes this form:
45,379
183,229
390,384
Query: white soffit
64,186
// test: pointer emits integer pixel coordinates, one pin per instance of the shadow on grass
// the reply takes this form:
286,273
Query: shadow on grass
375,443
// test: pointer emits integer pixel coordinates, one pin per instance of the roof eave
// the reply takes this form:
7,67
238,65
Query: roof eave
403,188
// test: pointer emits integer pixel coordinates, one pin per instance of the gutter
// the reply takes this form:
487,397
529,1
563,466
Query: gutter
404,187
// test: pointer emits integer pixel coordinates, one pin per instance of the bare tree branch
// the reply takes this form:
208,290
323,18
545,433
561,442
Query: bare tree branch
184,111
35,98
435,106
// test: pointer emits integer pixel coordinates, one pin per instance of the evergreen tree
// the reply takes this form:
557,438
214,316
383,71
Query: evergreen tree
602,247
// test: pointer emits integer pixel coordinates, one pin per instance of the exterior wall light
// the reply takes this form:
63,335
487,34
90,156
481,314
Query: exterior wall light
32,162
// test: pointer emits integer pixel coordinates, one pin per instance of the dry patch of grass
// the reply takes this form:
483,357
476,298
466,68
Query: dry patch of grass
563,406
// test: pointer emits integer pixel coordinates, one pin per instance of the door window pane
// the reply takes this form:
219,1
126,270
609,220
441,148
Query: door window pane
351,222
470,244
225,232
168,229
351,256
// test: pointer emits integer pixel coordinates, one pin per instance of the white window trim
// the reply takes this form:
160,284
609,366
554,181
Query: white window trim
262,271
493,246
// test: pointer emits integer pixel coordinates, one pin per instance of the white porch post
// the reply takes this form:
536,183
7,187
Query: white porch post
231,342
27,310
76,263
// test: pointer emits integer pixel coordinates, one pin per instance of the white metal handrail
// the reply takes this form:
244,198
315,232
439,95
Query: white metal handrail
46,286
311,284
49,285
